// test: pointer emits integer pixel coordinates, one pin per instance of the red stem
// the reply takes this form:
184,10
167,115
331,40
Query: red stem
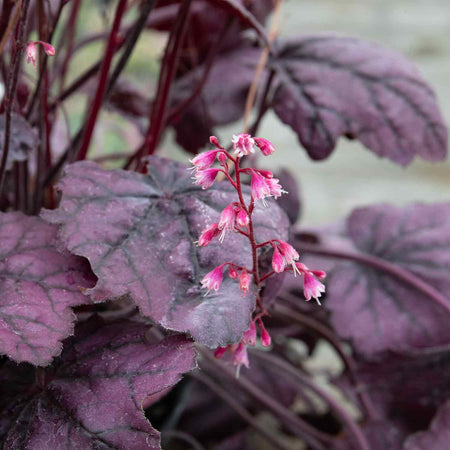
166,76
384,266
109,53
11,90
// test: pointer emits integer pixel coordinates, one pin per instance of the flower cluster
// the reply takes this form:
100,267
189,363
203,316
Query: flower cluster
237,217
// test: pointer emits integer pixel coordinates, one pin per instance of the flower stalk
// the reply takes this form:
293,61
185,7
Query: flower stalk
238,217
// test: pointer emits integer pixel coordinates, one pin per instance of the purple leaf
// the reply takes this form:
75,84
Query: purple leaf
39,284
291,203
22,139
406,389
385,312
380,435
215,105
437,437
92,396
330,86
138,233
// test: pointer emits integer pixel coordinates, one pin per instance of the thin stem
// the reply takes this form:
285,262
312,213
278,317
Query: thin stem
43,68
182,436
70,27
327,334
130,43
166,76
177,110
239,410
299,427
11,91
11,24
384,266
109,53
287,369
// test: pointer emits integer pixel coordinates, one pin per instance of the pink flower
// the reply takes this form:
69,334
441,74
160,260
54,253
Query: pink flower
249,336
278,262
232,272
266,340
208,234
204,160
265,146
213,279
312,288
242,218
31,52
240,356
260,188
244,281
214,141
220,351
205,178
227,220
275,188
243,144
48,49
265,173
289,255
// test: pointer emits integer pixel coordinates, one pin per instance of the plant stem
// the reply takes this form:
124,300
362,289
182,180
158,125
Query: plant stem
178,109
288,369
94,110
327,334
383,266
239,409
299,427
166,76
130,42
43,66
11,91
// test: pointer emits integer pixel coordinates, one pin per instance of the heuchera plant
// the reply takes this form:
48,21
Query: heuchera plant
146,303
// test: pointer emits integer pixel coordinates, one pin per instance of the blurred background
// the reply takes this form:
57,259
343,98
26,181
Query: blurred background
352,176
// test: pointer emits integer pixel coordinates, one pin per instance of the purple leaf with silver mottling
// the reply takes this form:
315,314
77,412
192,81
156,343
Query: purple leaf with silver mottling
92,397
39,284
437,437
138,233
330,86
385,312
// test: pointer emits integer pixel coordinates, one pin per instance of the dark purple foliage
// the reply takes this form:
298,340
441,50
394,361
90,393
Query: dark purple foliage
330,86
437,437
138,233
213,107
407,389
92,397
207,20
39,283
385,312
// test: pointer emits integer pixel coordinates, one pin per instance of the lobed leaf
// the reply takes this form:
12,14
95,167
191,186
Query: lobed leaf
385,312
138,233
39,284
92,396
331,86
